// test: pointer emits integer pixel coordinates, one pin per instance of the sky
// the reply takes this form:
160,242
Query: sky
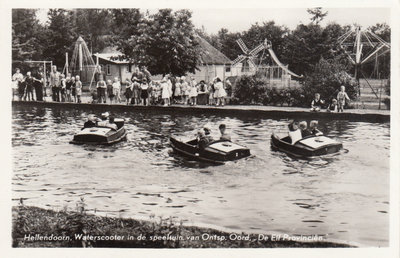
237,20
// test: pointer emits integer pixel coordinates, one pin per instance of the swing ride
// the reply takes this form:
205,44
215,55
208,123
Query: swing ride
361,46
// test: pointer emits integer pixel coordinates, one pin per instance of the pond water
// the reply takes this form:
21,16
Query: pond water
341,197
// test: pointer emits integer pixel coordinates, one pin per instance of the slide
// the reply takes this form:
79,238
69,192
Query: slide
275,58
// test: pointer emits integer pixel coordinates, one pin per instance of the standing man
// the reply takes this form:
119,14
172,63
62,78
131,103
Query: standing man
38,85
100,75
55,83
17,79
29,82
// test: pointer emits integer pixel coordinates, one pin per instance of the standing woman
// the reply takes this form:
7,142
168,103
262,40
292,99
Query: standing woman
221,93
117,89
17,79
128,91
164,91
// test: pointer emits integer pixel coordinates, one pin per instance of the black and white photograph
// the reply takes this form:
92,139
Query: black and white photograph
184,127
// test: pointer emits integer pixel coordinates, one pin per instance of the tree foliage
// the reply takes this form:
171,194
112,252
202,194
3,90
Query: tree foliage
326,78
27,35
317,14
164,42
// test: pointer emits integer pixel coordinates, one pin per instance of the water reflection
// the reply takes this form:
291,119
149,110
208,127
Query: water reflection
336,196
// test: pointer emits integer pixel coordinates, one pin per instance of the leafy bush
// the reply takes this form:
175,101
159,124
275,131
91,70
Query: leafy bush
254,90
249,90
326,79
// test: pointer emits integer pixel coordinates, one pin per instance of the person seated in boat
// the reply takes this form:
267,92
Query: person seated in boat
91,122
202,141
304,131
294,132
333,107
224,135
317,103
111,123
103,121
207,133
313,128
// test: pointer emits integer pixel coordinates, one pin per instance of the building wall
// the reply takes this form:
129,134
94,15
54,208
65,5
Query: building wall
113,70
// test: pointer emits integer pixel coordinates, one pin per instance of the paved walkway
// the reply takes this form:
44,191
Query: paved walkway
87,99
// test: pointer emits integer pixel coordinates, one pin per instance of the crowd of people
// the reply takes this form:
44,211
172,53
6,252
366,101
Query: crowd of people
140,89
300,130
336,105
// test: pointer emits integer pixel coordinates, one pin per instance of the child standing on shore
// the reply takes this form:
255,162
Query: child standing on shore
116,88
128,91
78,88
342,97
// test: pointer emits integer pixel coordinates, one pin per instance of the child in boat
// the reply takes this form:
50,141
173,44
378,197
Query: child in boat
111,123
294,132
313,128
224,135
91,122
333,107
304,131
342,97
317,103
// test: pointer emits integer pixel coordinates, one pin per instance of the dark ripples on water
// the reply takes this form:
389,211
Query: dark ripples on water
343,196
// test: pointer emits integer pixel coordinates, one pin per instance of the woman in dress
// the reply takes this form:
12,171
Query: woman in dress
165,91
220,92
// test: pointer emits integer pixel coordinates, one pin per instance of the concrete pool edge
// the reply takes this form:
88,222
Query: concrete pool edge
47,222
362,115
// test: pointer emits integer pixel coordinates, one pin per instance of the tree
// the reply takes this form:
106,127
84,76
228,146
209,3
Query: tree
165,42
317,14
27,35
326,78
60,36
94,25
